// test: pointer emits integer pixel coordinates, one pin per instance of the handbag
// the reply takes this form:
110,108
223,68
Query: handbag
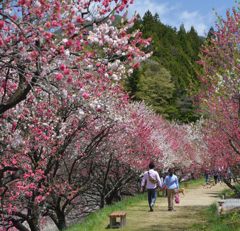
152,180
177,198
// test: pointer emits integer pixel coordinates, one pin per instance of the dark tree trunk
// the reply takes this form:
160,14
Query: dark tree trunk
61,220
34,224
102,201
114,196
20,226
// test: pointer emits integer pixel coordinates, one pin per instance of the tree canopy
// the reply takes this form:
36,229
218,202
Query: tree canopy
176,52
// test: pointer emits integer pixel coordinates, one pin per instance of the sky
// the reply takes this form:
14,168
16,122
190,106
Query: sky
198,13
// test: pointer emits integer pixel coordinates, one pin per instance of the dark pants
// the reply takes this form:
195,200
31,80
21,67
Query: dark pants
152,196
206,179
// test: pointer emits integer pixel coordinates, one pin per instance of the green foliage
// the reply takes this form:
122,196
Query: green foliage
192,183
94,220
177,53
132,82
210,33
155,87
227,193
214,222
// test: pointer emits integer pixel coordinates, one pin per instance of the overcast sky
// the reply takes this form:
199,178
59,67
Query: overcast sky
199,13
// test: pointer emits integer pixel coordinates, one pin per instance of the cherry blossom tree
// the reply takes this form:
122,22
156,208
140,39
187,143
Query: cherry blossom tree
36,36
58,61
219,97
66,124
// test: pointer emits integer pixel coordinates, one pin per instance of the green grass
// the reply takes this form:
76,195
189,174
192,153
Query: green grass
95,219
192,183
227,193
214,222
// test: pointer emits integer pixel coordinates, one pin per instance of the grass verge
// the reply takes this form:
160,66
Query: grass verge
192,183
91,222
214,222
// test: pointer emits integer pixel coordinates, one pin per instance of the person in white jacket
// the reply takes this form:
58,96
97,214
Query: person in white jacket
150,181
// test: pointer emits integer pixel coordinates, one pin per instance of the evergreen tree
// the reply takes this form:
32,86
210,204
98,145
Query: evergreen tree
155,87
210,33
177,53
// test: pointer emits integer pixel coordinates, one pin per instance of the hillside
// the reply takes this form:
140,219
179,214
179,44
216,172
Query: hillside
166,81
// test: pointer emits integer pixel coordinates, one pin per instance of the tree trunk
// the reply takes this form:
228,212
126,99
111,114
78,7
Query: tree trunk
34,219
34,224
61,220
114,196
102,201
20,226
109,199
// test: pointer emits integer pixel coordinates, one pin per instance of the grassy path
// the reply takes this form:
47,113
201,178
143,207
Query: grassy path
186,214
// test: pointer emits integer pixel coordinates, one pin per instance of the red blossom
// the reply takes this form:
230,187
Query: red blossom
58,76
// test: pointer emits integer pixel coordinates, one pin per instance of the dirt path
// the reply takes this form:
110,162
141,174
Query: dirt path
186,214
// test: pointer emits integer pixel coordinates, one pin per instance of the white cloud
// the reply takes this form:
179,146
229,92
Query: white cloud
174,14
194,19
188,15
163,9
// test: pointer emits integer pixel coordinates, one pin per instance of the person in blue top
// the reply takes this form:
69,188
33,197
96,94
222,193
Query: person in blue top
172,185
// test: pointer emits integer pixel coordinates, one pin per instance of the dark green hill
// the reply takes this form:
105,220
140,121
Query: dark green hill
176,52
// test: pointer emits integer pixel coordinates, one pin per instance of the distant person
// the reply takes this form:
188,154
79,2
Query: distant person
151,181
220,175
206,176
192,176
215,177
172,185
229,175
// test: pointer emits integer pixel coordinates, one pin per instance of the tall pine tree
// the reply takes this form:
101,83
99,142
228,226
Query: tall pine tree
176,52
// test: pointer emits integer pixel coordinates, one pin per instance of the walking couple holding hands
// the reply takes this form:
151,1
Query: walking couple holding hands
151,181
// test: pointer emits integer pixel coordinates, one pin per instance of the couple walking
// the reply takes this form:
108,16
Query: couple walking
151,181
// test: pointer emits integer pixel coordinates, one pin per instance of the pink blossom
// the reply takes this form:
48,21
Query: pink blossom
85,95
32,186
58,76
39,199
21,2
69,43
14,125
48,24
26,175
55,23
14,161
62,67
70,79
1,42
66,71
28,194
80,19
1,24
136,65
61,49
